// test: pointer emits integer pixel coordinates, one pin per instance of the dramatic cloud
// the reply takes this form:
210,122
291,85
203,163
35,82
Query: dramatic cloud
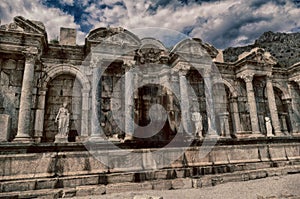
53,18
221,23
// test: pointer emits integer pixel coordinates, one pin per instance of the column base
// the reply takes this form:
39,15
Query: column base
23,138
61,139
95,139
279,134
128,137
256,134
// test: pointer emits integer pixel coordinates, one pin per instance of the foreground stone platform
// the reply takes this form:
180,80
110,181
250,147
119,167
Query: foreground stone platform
69,169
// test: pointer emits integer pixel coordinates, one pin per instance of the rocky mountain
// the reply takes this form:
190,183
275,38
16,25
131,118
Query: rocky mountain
285,47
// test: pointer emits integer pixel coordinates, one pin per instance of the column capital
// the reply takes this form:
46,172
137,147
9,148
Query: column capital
95,60
247,77
31,54
206,73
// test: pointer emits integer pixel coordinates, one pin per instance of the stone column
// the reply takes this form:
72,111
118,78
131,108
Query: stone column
184,102
288,103
39,115
248,78
24,120
236,115
84,115
96,131
211,118
284,123
272,106
129,104
224,124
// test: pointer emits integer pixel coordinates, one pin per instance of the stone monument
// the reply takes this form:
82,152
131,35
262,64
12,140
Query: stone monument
197,119
268,126
63,117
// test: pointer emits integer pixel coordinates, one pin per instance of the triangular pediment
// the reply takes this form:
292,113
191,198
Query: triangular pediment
113,36
258,55
21,24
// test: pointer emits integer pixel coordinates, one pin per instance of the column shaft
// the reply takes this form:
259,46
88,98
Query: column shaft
184,103
211,118
96,131
236,116
39,115
252,103
129,105
84,113
24,119
272,107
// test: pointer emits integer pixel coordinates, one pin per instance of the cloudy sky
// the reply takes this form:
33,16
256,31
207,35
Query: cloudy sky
221,23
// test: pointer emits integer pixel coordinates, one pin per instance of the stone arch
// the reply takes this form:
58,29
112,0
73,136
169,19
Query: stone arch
51,74
285,92
232,90
66,69
150,42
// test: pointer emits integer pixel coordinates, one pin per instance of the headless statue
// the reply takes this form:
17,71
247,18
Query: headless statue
63,117
197,119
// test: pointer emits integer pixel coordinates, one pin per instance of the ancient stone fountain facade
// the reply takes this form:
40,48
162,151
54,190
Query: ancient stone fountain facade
37,77
114,87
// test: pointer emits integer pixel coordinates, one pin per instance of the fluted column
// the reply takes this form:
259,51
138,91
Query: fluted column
39,115
248,78
184,102
84,114
96,131
272,107
236,115
293,121
211,118
129,104
24,120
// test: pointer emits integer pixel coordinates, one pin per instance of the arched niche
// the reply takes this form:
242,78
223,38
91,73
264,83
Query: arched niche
63,83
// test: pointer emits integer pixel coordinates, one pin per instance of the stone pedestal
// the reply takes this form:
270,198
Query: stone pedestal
61,139
4,127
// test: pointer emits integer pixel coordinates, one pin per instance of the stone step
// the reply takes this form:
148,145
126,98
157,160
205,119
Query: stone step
178,183
71,181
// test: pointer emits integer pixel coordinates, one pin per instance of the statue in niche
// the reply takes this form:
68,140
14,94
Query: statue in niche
197,119
63,117
268,126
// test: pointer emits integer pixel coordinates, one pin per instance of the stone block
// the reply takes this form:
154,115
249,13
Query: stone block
147,197
277,152
4,127
126,187
182,183
263,153
243,154
67,36
196,157
293,152
162,184
220,155
18,186
90,190
120,178
79,181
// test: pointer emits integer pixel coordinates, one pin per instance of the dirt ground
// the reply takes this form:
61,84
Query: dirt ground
272,187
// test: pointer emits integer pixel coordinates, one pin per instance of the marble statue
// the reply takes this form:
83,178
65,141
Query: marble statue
63,117
197,119
268,126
